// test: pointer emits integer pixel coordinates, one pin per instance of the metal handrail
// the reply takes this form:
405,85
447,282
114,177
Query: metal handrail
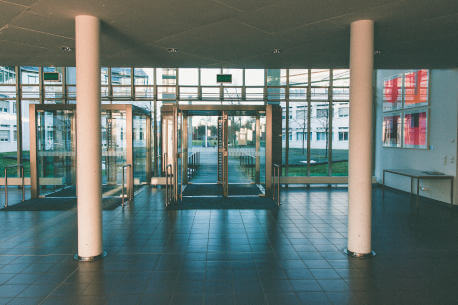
168,186
276,183
163,162
248,163
6,182
129,193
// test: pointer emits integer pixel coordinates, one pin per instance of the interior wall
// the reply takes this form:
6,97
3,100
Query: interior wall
442,153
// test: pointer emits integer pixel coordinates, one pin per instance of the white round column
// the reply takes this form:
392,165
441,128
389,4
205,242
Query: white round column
360,141
88,152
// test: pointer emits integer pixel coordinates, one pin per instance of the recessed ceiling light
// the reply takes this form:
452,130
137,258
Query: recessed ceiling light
276,51
172,50
66,49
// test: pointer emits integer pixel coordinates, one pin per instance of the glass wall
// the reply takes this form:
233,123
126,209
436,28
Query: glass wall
315,105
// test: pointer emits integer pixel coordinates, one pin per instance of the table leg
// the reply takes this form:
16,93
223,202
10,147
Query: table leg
411,186
451,193
418,189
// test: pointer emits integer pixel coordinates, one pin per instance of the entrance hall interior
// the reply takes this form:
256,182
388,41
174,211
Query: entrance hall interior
228,152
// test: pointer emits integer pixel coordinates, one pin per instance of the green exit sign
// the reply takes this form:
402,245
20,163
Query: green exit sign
224,78
51,76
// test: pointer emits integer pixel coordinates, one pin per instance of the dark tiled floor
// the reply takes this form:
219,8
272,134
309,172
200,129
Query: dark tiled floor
288,256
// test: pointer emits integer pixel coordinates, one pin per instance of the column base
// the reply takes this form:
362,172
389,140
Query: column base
359,255
89,258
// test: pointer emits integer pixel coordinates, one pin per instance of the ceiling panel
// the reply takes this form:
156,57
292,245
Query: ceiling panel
8,12
231,32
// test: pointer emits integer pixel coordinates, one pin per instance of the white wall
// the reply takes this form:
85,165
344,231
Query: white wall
443,138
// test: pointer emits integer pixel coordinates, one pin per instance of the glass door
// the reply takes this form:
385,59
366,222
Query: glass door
114,150
55,136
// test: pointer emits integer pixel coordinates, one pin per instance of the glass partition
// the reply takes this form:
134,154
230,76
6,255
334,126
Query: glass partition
139,148
114,149
56,152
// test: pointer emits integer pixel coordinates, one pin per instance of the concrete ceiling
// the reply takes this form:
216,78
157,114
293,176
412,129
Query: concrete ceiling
232,33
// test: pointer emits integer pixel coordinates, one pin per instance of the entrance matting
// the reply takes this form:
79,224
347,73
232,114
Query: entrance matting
112,189
57,204
221,203
217,189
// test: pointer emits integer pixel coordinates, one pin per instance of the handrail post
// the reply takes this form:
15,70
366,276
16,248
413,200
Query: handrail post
23,180
129,191
276,183
6,187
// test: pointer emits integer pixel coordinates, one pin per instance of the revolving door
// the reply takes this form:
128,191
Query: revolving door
126,148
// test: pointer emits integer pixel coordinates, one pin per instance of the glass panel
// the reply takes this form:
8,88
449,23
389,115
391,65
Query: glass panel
319,94
103,81
210,93
208,77
204,139
144,76
120,76
416,88
56,152
275,94
8,135
71,76
341,78
26,136
340,125
276,77
254,77
319,143
188,77
254,93
392,130
298,77
166,93
241,144
263,151
237,77
297,93
283,138
232,93
29,75
392,93
415,127
188,93
341,84
297,153
139,146
30,81
320,77
121,81
166,76
8,144
114,139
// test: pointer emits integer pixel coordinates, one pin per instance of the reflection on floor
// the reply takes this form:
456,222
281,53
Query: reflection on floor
290,255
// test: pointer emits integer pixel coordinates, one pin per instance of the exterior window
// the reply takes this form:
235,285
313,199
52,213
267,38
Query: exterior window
301,113
301,136
4,106
343,112
322,113
49,135
321,136
4,135
343,135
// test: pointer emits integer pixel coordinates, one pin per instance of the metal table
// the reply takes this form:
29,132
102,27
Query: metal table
418,174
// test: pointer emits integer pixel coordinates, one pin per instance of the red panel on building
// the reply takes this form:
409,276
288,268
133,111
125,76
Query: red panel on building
415,129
